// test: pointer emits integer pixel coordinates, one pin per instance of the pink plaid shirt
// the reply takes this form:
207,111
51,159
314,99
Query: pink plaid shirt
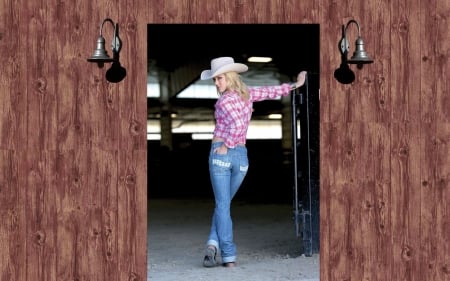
233,114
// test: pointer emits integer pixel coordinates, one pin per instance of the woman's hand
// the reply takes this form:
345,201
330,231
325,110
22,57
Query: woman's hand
301,78
221,149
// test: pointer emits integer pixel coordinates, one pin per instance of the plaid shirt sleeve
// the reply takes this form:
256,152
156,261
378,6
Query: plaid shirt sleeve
269,92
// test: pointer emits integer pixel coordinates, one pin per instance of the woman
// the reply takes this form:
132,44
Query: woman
228,162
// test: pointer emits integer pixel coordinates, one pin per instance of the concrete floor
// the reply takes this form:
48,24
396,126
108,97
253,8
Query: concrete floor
268,248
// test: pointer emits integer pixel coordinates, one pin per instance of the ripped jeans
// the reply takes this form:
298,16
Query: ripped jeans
227,172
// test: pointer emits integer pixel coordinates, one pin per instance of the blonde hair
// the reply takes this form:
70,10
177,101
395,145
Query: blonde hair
235,83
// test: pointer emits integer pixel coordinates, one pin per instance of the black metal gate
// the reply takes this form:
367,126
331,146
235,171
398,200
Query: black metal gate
305,137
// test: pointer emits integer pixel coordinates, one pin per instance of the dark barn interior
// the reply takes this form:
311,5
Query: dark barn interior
183,172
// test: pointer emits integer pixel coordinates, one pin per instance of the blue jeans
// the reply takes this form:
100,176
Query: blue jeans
227,172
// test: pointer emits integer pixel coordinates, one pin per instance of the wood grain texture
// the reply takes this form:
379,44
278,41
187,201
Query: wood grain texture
442,25
433,214
438,262
12,225
406,223
73,146
356,213
13,110
434,202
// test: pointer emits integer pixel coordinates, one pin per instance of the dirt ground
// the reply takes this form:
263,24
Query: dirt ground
267,246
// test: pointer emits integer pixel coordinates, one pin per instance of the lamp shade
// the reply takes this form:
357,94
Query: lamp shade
100,54
360,56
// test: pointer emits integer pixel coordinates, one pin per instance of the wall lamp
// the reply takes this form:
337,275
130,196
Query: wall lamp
360,57
100,56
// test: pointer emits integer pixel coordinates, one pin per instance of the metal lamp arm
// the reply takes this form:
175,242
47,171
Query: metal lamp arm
116,42
344,44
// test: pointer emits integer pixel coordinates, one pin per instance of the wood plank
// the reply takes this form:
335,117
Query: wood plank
41,120
362,229
13,229
131,116
73,217
41,95
13,130
442,191
341,202
374,78
13,98
429,203
428,68
405,73
381,264
435,197
335,201
405,136
74,42
372,198
328,134
405,200
132,154
40,209
102,255
429,193
442,26
132,234
87,215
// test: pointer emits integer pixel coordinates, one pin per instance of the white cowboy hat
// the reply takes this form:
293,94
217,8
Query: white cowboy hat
222,65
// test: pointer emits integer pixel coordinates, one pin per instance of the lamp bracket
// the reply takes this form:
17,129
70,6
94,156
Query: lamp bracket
344,44
116,42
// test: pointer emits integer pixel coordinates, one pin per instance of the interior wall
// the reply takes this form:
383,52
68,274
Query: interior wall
73,146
